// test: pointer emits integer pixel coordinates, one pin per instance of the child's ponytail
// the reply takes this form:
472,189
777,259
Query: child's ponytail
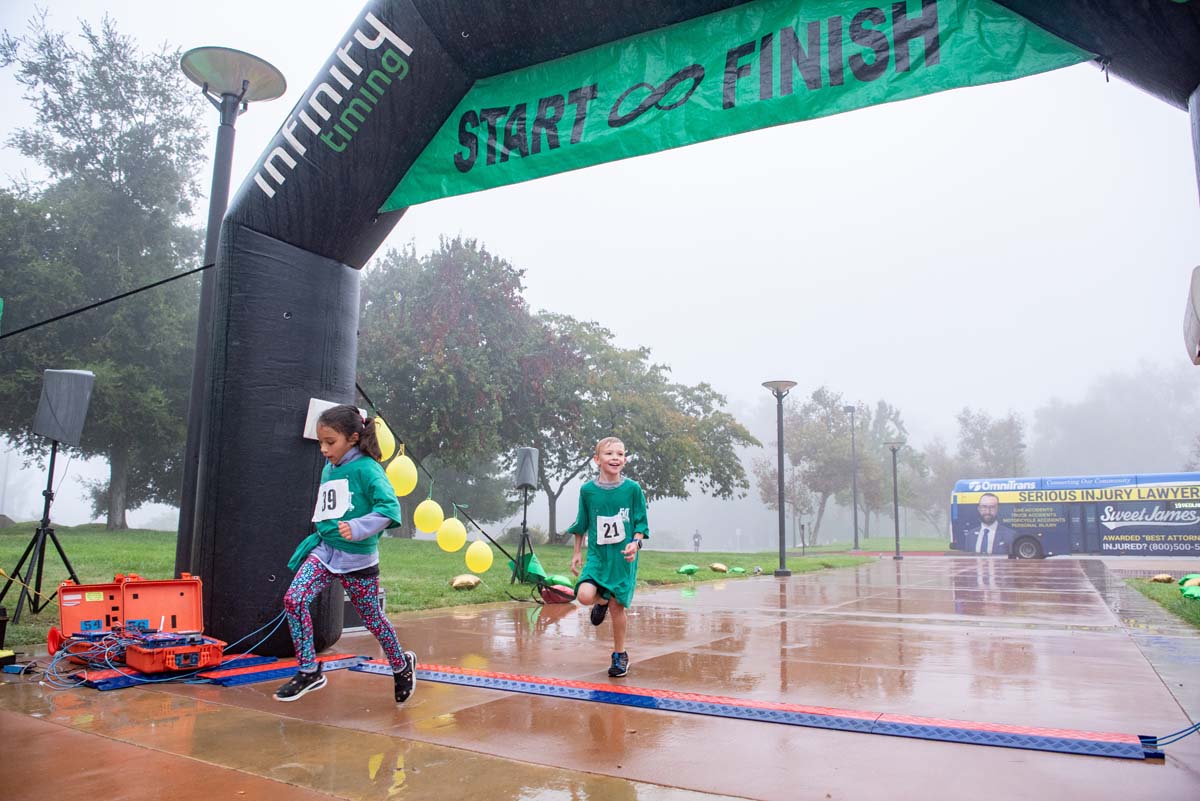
368,440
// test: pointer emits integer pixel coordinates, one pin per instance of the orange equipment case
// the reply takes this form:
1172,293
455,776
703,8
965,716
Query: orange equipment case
131,602
165,607
203,652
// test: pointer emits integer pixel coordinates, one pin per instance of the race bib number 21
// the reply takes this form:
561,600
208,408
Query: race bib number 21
610,530
333,500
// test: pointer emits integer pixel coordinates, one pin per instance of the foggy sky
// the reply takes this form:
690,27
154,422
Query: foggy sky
992,247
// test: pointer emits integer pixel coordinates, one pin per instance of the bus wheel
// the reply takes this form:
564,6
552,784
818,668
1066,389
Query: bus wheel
1027,548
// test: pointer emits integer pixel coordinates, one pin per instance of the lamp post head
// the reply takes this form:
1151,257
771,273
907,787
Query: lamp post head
895,444
779,388
848,409
225,71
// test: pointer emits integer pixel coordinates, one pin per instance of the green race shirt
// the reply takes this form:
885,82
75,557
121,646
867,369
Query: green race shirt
609,517
348,491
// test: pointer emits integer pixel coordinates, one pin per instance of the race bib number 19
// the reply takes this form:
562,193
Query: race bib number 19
609,530
333,500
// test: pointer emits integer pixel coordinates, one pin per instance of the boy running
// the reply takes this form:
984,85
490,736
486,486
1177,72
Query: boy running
612,514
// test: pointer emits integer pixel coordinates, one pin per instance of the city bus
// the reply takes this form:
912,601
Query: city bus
1156,514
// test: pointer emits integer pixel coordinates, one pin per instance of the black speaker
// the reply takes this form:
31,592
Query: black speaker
527,468
63,405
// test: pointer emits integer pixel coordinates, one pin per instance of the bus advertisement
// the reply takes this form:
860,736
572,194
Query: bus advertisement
1155,514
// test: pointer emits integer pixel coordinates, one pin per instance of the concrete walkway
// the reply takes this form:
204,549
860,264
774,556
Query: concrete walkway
1056,644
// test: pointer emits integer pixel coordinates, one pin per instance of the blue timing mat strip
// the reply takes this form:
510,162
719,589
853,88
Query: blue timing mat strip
122,676
270,671
1064,741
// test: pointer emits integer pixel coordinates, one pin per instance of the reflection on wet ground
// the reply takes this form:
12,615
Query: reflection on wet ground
1059,643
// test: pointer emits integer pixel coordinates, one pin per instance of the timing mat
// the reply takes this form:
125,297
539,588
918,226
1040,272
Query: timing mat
1066,741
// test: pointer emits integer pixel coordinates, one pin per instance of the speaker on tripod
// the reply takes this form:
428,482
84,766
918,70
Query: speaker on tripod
526,480
60,415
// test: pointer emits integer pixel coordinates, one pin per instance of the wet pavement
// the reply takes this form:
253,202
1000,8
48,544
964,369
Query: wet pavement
1058,644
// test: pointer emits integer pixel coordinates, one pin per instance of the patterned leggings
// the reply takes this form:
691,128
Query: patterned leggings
311,580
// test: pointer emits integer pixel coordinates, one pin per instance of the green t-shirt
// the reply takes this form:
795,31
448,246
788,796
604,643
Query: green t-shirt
348,491
609,517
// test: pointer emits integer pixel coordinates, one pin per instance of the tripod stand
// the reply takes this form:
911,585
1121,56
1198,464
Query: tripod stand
37,547
525,545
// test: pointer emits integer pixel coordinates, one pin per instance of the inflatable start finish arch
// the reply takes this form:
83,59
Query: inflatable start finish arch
423,99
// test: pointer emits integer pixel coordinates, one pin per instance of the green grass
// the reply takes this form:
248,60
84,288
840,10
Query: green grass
1169,597
415,574
96,554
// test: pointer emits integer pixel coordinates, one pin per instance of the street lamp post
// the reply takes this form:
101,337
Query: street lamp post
853,472
780,390
231,80
895,446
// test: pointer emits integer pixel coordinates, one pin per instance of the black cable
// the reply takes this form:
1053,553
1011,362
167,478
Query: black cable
489,536
102,302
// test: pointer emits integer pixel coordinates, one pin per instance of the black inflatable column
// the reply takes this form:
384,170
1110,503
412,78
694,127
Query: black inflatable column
286,316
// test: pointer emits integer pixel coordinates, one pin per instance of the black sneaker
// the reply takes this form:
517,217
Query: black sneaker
598,613
406,680
301,684
620,664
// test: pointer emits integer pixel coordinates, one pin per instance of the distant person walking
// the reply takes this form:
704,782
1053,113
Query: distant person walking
696,541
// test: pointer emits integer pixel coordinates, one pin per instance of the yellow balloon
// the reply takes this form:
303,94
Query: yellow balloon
428,516
402,472
387,443
451,535
479,557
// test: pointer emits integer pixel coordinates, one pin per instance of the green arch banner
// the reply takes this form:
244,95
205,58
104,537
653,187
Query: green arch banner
756,65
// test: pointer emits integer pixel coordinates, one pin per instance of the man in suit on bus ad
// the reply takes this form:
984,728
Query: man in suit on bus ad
990,536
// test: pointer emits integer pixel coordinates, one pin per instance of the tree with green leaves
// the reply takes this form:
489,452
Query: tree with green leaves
930,487
446,342
439,347
464,374
871,431
886,424
816,440
797,500
118,133
991,447
678,437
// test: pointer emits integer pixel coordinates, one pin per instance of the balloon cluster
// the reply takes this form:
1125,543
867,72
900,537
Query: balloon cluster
428,517
452,535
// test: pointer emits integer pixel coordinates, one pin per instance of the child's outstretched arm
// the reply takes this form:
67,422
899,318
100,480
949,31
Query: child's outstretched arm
577,557
637,515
